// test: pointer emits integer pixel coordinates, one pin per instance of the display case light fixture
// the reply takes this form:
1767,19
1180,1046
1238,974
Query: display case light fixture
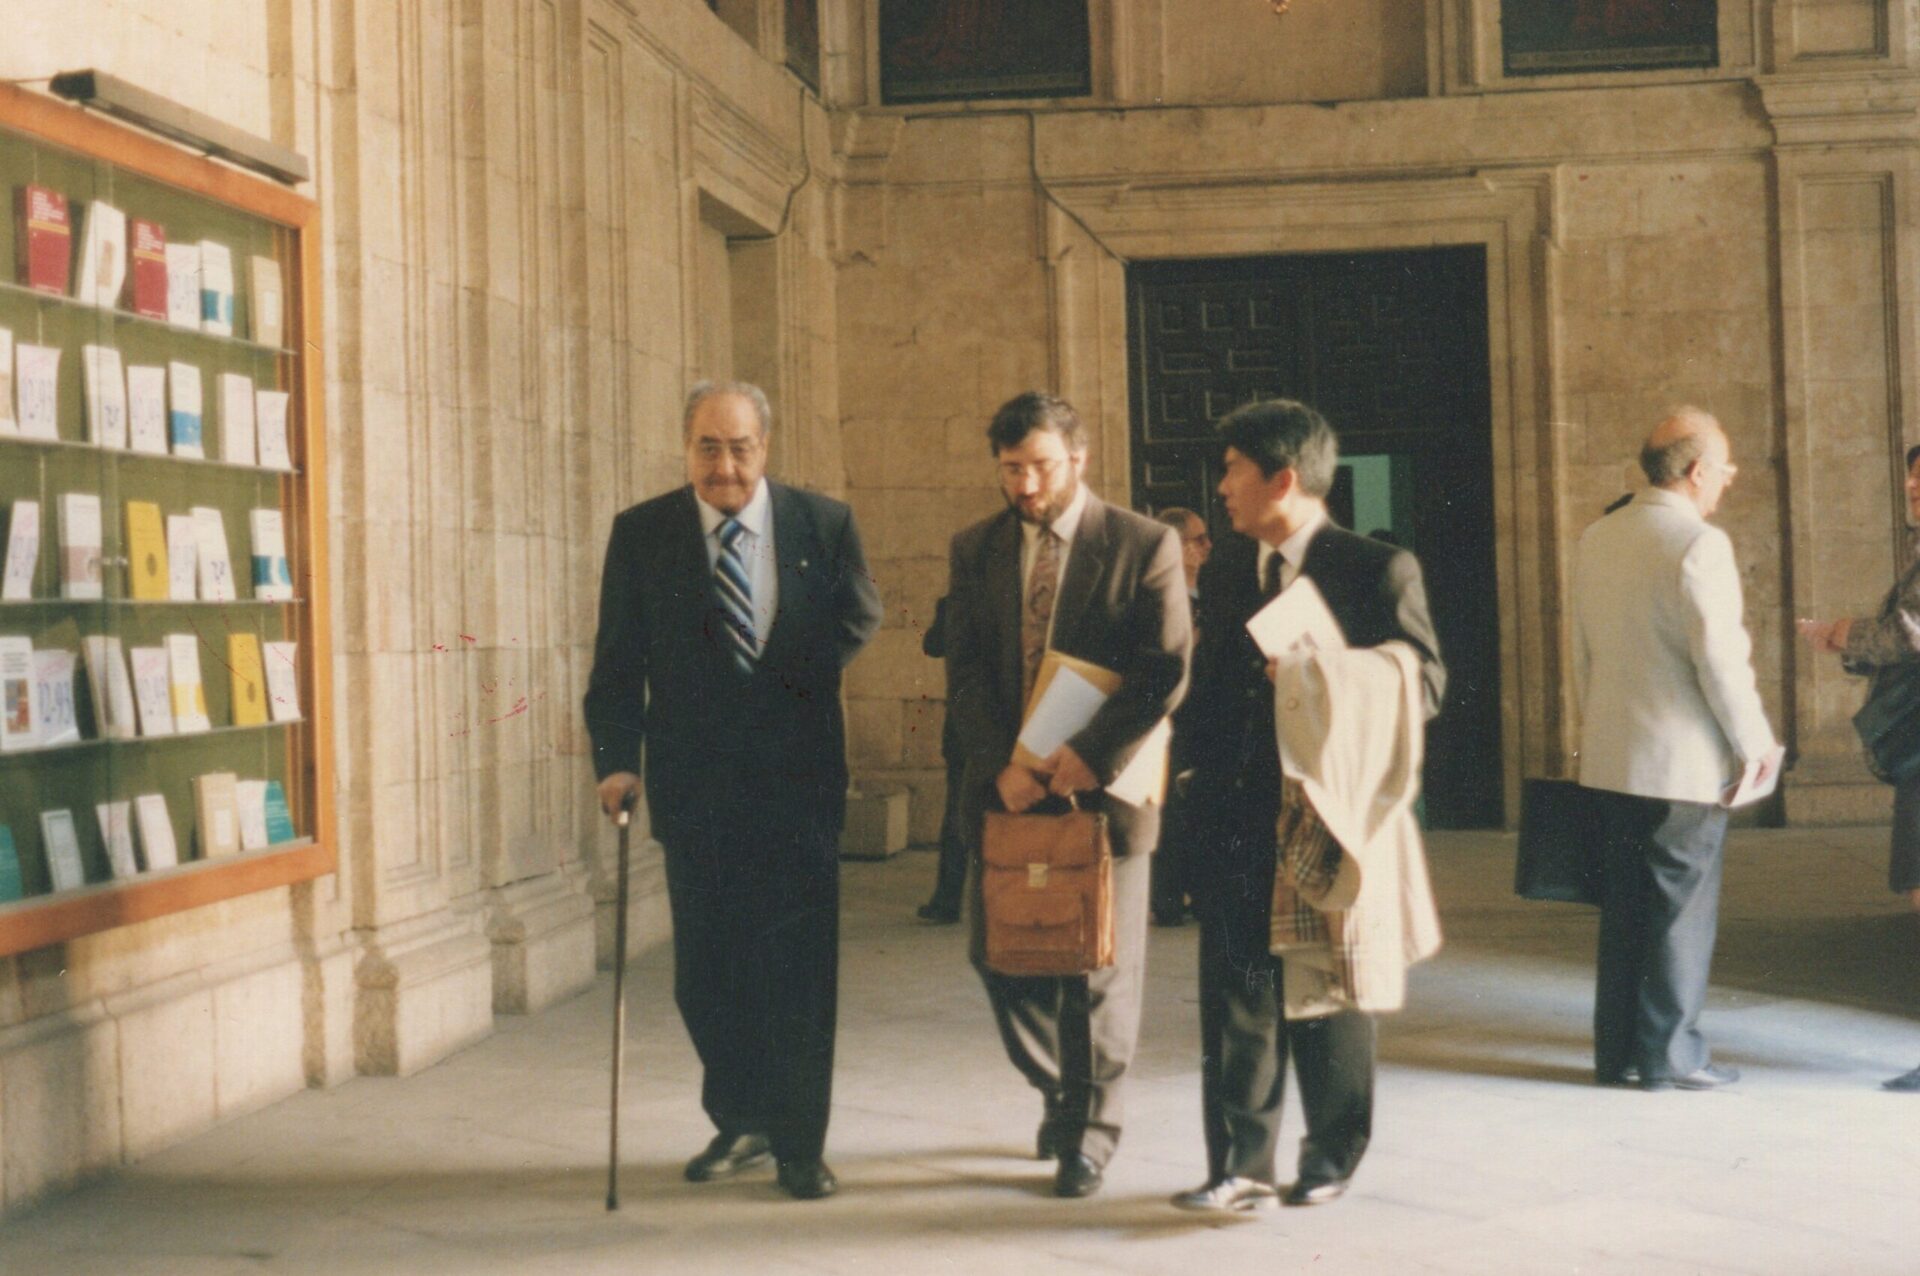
203,133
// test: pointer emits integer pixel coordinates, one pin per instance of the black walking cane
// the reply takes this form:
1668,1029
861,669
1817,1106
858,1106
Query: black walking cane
621,820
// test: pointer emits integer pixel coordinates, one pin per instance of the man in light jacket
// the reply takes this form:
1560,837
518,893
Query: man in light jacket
1663,666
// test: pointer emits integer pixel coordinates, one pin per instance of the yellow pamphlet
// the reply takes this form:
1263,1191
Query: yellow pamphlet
249,680
146,551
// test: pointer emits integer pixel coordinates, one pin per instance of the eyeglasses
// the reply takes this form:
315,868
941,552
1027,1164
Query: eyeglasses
741,450
1014,472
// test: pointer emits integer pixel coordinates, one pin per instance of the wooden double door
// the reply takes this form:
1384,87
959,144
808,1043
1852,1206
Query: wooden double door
1392,348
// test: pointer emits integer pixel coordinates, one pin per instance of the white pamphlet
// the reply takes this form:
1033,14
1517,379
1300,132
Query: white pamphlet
8,425
189,696
183,557
63,850
283,680
156,831
216,567
251,797
270,418
19,707
53,696
103,255
147,408
1297,617
23,552
153,689
183,285
116,831
236,418
36,382
82,572
112,690
106,390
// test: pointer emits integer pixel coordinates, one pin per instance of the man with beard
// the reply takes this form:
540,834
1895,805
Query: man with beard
1061,569
727,610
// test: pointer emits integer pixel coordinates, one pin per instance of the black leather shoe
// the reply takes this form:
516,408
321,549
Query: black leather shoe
1628,1076
1315,1192
1709,1076
1046,1142
1229,1196
807,1180
726,1156
1905,1083
935,911
1077,1176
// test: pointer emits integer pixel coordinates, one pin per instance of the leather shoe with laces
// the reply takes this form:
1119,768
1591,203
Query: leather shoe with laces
1316,1191
807,1180
1708,1076
1077,1176
726,1156
1229,1196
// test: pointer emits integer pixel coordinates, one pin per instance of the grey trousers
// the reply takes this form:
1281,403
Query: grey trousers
1073,1037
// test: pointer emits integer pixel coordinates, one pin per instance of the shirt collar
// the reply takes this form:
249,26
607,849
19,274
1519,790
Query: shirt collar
1066,525
1672,500
754,517
1294,548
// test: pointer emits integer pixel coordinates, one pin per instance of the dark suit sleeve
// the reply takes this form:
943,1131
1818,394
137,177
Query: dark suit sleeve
616,699
857,608
972,702
1407,596
1157,645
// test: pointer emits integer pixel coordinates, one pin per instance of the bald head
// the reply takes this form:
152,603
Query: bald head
1688,453
1677,443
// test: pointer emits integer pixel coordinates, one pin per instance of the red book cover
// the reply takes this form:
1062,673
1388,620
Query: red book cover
45,236
147,280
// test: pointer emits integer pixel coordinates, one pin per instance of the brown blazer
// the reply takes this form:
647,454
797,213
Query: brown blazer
1122,605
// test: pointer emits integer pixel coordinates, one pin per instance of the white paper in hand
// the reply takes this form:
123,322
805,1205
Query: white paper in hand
1747,788
1297,617
1067,705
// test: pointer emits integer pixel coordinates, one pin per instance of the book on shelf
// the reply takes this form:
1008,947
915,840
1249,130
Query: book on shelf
19,708
81,573
216,288
62,840
43,240
184,417
9,424
147,408
269,325
270,421
183,557
103,255
106,391
249,680
272,578
183,285
147,273
23,552
188,694
53,696
116,834
153,689
36,386
146,552
279,818
12,885
156,831
216,813
236,417
113,717
283,680
216,566
250,800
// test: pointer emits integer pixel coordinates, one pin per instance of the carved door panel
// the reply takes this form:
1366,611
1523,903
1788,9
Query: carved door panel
1392,348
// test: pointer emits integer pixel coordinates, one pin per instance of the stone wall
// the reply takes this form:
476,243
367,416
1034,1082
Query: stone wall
510,195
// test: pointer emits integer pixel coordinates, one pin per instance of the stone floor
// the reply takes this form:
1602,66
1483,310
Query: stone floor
1492,1153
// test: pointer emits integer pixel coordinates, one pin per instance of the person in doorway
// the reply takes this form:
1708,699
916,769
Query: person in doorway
1663,666
1059,569
728,609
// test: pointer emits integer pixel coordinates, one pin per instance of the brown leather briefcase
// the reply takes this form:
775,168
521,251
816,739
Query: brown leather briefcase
1047,883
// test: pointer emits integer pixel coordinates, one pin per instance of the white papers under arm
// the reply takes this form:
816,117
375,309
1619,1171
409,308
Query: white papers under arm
1298,616
1067,706
1144,778
1747,788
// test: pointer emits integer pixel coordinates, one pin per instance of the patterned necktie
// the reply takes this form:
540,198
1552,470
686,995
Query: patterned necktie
1043,582
735,591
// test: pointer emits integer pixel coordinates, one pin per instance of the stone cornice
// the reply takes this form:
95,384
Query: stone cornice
1838,108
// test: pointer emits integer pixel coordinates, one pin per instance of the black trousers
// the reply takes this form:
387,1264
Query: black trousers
1073,1037
950,881
1659,914
1903,864
756,951
1246,1039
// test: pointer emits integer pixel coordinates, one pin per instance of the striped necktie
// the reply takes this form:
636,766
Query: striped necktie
735,591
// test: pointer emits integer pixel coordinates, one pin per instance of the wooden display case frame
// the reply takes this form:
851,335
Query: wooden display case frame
41,920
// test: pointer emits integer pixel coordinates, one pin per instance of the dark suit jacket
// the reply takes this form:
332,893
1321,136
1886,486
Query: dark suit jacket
726,751
1373,589
1122,605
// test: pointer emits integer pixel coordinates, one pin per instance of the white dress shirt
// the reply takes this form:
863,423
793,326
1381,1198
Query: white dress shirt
756,553
1292,551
